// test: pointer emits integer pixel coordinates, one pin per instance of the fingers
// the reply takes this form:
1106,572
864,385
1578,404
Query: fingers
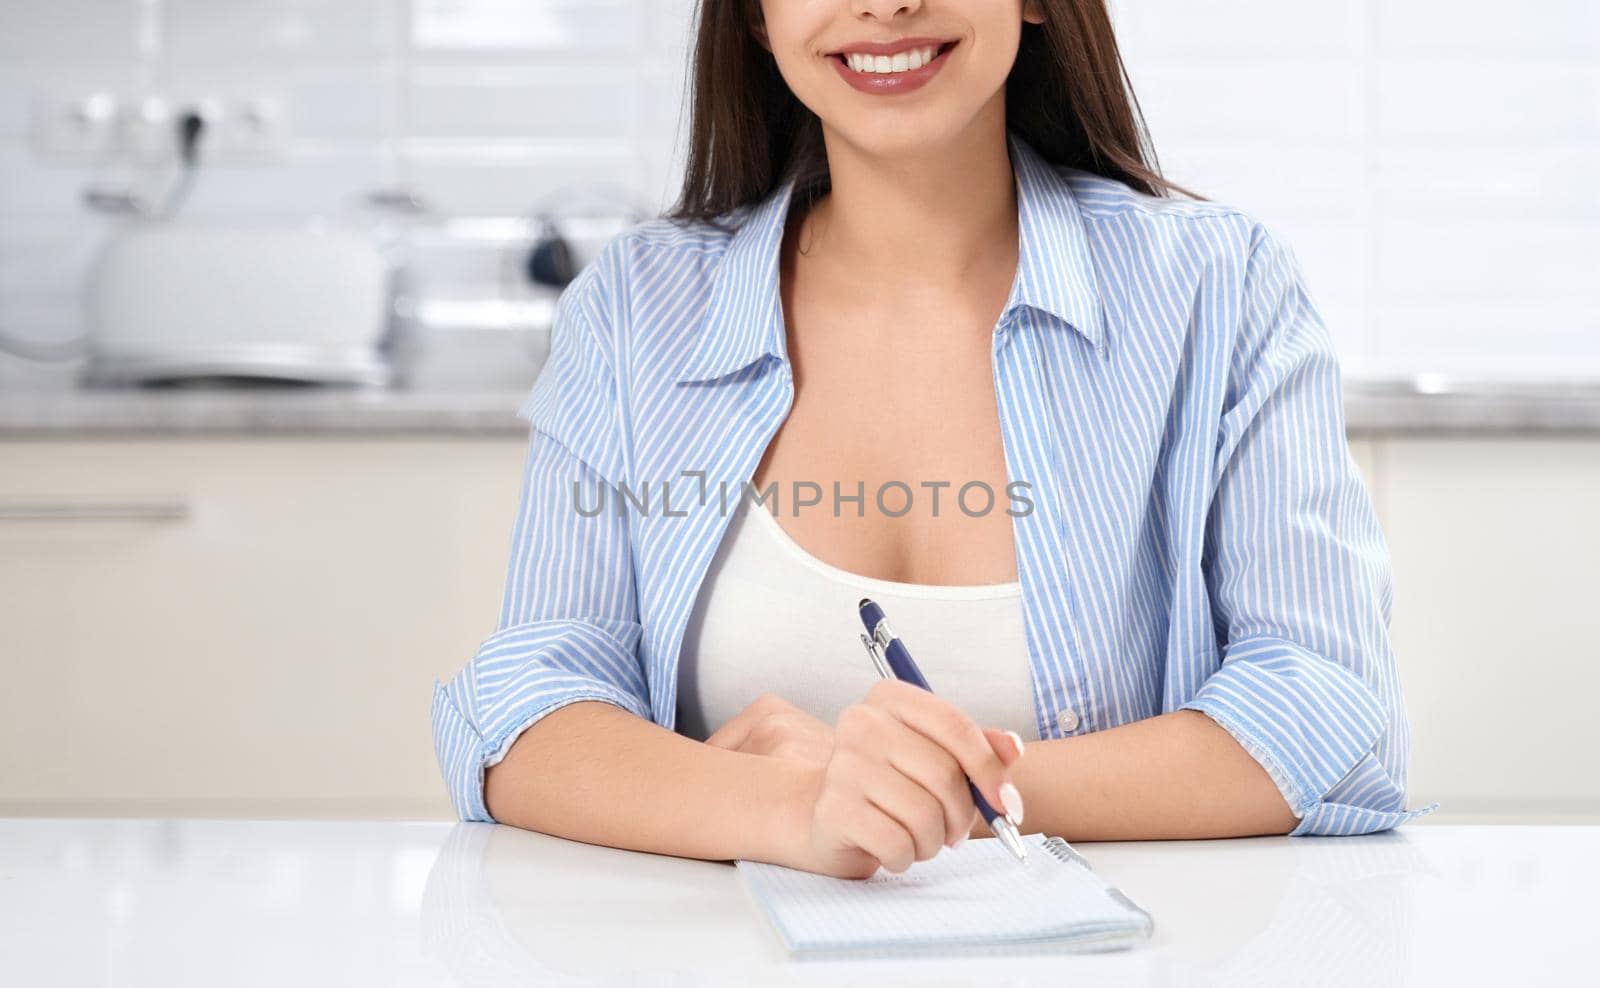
932,768
1006,744
918,812
736,732
896,784
956,733
871,804
883,837
868,728
980,828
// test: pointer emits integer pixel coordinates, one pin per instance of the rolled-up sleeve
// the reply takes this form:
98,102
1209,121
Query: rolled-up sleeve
568,627
1298,571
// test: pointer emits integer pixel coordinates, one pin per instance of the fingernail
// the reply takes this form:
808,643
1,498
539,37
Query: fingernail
959,841
1017,740
1012,800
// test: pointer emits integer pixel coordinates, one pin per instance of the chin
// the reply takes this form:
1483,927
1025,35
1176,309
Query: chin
890,135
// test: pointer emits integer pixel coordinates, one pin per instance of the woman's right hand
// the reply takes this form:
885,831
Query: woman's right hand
894,790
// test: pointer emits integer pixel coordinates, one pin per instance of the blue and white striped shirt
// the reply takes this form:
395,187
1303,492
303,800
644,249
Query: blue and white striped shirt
1200,537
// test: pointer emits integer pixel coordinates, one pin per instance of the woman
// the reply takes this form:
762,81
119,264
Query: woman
918,252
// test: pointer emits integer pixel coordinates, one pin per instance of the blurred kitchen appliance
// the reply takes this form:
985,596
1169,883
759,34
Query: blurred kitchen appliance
308,303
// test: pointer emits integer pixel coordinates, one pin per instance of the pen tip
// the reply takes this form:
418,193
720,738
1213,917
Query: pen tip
863,602
1010,837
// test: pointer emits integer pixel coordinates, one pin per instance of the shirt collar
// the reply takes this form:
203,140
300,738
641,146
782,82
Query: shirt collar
1055,271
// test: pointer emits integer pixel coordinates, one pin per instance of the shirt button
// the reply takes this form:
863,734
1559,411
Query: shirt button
1067,721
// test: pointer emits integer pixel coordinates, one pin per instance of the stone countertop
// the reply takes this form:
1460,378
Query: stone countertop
1436,405
1421,405
179,411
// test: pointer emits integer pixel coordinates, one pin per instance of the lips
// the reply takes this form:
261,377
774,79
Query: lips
891,67
895,46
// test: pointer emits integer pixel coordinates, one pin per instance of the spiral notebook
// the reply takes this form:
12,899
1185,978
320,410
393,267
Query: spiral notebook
974,898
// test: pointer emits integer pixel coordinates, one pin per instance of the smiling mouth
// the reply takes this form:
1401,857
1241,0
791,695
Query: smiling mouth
908,60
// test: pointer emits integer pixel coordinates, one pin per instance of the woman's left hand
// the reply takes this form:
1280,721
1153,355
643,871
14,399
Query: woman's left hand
771,725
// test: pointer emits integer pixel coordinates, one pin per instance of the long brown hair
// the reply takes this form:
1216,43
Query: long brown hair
1068,96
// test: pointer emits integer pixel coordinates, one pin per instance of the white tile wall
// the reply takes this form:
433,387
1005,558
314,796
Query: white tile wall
210,31
1432,162
324,102
1491,28
555,26
72,29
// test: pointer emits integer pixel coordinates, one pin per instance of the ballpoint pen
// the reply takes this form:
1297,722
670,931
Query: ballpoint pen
893,661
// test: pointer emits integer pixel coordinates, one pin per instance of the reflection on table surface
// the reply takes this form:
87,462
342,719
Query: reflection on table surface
244,902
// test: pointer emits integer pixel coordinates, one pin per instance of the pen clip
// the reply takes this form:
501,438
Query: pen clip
879,659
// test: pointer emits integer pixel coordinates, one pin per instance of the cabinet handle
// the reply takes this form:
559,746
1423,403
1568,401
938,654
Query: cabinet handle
162,509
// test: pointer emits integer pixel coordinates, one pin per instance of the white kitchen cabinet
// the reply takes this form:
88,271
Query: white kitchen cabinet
1496,549
271,653
255,627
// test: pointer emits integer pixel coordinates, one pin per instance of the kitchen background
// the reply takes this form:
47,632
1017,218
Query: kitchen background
231,600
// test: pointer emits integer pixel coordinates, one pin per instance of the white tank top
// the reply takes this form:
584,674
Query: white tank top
772,618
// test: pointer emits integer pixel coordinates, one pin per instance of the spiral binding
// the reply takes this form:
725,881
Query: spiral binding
1059,849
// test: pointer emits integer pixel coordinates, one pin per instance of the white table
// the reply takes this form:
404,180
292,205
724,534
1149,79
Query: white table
159,903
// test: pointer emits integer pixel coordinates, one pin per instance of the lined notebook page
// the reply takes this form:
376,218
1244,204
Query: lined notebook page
976,894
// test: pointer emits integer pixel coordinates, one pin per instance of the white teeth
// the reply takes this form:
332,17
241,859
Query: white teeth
905,61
